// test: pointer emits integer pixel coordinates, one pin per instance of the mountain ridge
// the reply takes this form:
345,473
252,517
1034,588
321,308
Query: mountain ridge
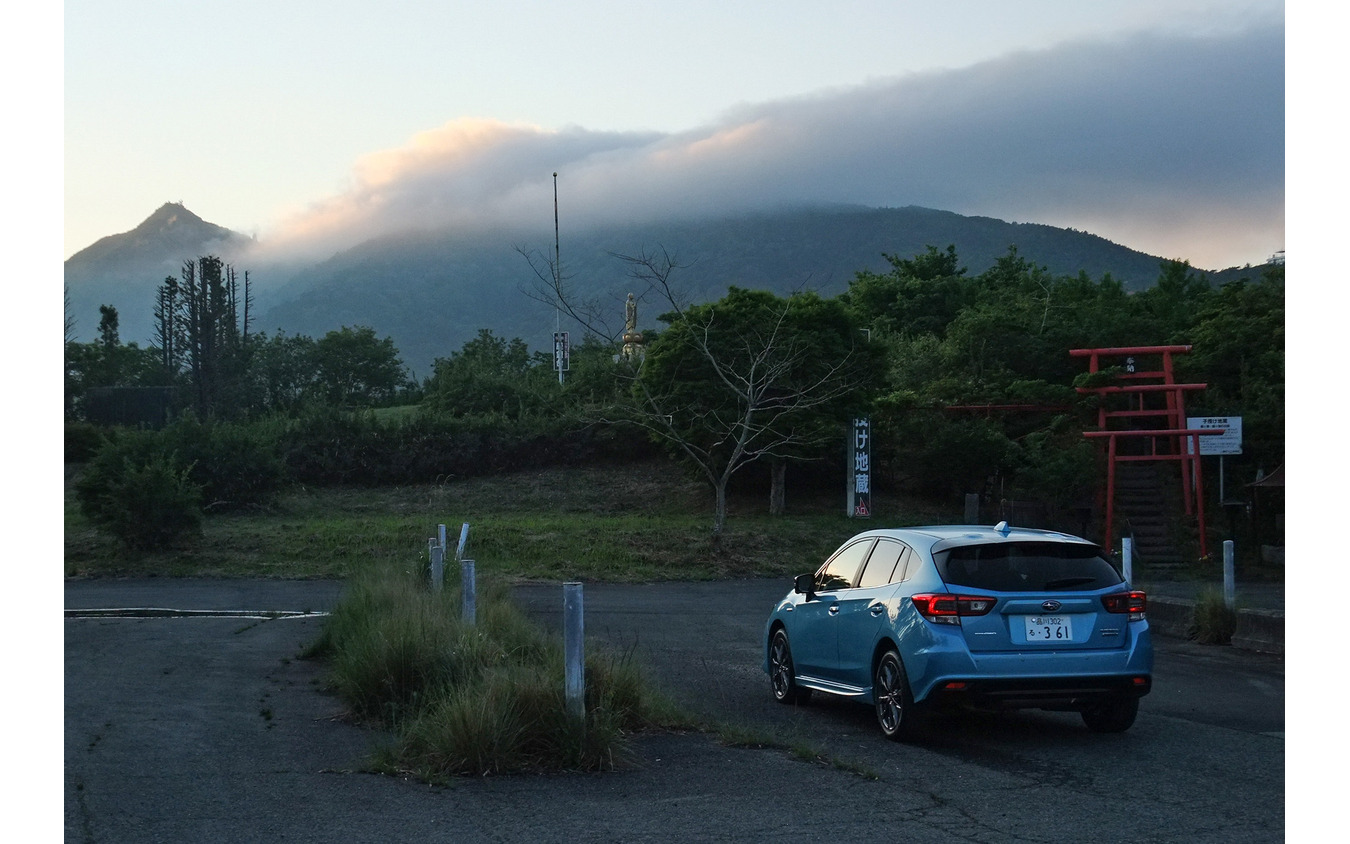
433,291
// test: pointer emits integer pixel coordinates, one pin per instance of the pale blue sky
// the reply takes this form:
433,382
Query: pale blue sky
258,115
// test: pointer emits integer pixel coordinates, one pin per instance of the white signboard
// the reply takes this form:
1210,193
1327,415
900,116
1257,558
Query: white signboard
1229,442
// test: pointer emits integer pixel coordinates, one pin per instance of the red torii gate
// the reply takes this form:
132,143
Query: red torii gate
1173,436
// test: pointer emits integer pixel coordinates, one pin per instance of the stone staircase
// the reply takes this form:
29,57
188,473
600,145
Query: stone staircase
1148,507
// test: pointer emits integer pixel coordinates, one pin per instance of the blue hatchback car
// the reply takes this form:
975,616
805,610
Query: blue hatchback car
984,617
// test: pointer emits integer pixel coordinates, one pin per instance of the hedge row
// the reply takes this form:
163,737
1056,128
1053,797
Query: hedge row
149,488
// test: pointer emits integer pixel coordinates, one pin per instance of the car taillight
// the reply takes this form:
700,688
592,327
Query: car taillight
1133,603
948,609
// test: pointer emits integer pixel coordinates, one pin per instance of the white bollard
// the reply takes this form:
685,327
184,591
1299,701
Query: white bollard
437,564
463,541
440,535
1229,575
574,651
1127,559
469,605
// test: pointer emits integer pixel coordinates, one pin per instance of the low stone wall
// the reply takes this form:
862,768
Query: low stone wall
1260,630
1170,616
1257,630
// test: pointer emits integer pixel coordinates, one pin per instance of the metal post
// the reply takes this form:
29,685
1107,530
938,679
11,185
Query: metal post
972,508
1127,559
470,589
1229,575
437,564
574,651
463,541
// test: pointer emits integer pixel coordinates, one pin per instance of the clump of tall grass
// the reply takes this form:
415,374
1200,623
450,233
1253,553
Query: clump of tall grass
1214,622
481,699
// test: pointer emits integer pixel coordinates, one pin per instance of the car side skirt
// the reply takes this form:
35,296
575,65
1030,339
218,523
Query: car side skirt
831,687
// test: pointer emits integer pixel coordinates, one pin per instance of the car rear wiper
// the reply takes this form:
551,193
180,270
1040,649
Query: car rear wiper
1066,582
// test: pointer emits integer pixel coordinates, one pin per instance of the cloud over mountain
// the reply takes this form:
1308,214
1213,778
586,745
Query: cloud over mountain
1172,145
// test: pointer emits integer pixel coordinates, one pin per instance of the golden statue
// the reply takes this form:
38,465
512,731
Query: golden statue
632,338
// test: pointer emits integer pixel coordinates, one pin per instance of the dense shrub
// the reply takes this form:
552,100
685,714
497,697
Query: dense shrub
140,495
148,488
236,464
332,447
83,440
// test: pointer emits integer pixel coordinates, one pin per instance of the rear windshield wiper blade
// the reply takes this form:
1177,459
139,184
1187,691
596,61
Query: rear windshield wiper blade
1066,582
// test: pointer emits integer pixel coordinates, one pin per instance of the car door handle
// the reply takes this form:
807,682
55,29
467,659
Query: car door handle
877,609
834,609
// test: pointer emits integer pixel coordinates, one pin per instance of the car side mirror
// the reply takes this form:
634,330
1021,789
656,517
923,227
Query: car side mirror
805,584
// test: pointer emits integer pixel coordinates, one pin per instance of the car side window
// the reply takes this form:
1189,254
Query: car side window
906,566
885,565
842,571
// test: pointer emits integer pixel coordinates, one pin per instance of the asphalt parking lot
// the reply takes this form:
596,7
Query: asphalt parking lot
185,727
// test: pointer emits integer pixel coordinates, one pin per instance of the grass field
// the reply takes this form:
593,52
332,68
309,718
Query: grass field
644,522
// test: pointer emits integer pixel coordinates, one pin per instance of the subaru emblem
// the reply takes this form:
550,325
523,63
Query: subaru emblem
1051,606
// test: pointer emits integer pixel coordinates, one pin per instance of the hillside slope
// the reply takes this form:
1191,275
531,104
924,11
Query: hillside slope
434,292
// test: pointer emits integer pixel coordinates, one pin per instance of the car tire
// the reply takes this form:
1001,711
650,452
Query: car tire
782,673
898,715
1112,716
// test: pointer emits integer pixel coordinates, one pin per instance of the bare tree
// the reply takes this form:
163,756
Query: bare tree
751,377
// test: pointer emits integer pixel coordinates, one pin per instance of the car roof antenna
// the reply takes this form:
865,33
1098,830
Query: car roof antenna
1003,528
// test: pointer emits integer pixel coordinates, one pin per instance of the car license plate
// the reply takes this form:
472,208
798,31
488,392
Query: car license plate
1049,628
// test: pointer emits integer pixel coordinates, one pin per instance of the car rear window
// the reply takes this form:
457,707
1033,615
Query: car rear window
1027,567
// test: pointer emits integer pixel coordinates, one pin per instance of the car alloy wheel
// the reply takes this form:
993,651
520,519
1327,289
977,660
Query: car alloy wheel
781,673
896,712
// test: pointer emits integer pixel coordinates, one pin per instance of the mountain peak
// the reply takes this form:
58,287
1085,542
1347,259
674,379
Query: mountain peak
167,216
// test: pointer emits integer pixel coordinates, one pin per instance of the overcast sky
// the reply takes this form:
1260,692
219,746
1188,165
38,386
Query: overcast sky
314,125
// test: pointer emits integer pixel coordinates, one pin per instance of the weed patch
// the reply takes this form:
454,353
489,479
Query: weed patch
474,699
1214,621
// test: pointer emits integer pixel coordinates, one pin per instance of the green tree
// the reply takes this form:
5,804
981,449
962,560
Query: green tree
918,295
1238,351
284,371
107,327
488,375
1172,303
356,368
106,362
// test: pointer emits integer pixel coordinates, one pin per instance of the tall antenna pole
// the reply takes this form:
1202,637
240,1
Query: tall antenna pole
557,273
557,267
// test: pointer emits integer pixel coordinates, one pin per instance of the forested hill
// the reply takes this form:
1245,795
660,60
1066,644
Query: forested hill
433,292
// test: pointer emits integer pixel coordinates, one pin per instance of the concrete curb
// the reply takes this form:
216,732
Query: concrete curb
1261,631
1170,616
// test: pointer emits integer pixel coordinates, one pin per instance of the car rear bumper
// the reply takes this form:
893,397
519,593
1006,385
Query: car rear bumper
1069,693
1029,678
